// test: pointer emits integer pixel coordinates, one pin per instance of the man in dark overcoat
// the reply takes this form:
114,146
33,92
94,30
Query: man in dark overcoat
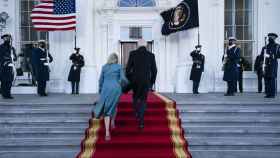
230,60
7,67
141,71
75,71
197,67
270,53
259,72
40,61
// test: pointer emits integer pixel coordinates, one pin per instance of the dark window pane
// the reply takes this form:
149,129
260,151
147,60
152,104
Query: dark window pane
228,18
34,35
239,32
239,4
249,4
24,5
248,18
248,49
248,33
239,18
228,4
228,31
24,19
24,34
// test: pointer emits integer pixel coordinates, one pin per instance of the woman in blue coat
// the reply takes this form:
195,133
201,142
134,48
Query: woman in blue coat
110,91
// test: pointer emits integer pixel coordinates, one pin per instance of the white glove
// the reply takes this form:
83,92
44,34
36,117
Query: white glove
267,55
46,64
11,65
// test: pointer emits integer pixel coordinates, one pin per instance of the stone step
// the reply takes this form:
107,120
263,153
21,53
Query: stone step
234,154
228,106
218,123
232,131
40,154
22,144
43,119
229,114
232,141
45,124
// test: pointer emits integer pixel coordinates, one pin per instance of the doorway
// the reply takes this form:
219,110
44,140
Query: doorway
128,46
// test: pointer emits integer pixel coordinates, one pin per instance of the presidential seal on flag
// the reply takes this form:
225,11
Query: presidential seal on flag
180,16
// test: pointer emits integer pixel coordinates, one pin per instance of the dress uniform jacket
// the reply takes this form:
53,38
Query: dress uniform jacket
198,66
75,71
39,61
271,63
6,71
230,67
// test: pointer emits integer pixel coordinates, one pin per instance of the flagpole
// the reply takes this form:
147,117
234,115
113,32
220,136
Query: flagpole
75,37
198,36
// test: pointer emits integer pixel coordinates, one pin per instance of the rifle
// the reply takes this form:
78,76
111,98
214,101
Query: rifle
264,57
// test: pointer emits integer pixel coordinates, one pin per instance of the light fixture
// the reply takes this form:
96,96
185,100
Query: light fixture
4,16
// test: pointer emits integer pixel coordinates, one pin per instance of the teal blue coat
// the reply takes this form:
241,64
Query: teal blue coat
110,90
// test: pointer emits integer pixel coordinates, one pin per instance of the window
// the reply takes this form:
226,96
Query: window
136,3
27,38
239,19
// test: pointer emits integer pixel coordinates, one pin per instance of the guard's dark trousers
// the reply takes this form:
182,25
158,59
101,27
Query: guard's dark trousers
6,88
75,87
270,86
42,87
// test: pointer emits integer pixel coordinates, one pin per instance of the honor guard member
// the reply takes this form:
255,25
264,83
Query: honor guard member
197,67
40,61
75,71
259,71
7,67
230,61
270,54
241,67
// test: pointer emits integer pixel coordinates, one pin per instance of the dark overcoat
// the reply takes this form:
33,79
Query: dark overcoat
197,67
230,68
271,63
77,64
258,66
39,61
141,71
6,72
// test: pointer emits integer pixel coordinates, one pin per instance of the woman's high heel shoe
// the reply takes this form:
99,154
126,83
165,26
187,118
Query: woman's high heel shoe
108,138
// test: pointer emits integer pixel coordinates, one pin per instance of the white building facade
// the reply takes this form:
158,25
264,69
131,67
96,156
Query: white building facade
103,27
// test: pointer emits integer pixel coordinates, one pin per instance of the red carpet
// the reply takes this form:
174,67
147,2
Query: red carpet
162,137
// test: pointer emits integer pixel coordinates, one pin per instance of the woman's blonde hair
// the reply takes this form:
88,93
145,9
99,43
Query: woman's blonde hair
113,59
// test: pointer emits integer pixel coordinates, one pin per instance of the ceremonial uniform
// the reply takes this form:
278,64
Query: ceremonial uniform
271,65
259,71
75,71
7,67
40,63
197,69
230,68
241,66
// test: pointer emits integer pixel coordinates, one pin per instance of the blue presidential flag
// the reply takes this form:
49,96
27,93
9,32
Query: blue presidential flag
184,16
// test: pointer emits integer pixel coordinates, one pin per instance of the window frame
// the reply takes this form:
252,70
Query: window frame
253,26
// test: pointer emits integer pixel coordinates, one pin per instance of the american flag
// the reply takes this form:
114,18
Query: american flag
54,15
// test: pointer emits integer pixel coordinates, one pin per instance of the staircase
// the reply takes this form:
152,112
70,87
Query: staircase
231,129
42,130
246,126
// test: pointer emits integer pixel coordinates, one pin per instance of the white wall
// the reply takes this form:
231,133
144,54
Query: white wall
98,35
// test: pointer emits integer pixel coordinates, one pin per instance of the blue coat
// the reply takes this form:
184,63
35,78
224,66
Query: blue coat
230,68
271,64
110,89
42,71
